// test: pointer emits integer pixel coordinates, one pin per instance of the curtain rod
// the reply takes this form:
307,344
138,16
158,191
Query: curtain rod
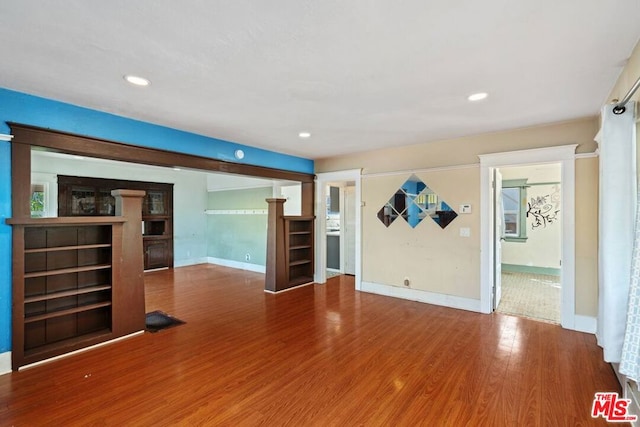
619,108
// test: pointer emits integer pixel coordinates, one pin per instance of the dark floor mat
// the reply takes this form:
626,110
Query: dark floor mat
157,320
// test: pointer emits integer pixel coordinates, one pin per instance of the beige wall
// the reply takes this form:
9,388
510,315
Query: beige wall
627,78
464,151
587,236
434,259
440,260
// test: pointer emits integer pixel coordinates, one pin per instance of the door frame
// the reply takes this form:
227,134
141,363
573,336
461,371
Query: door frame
565,155
343,222
322,179
496,185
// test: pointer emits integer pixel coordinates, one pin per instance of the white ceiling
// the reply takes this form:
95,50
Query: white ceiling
357,74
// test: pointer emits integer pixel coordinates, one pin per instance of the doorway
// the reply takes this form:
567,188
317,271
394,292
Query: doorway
530,241
340,228
563,155
348,196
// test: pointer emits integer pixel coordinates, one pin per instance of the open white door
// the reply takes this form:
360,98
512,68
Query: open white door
498,229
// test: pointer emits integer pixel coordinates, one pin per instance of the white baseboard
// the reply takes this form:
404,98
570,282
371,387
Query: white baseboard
80,350
422,296
191,261
237,264
586,324
5,363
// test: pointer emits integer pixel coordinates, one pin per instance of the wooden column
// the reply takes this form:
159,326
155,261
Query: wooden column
308,195
275,269
20,180
128,297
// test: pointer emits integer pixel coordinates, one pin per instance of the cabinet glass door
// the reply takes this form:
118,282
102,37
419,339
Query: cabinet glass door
107,205
83,201
156,202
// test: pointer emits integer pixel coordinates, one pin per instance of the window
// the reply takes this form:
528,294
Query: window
38,197
514,197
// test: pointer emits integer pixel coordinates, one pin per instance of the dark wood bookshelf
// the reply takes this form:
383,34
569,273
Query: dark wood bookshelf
69,288
290,252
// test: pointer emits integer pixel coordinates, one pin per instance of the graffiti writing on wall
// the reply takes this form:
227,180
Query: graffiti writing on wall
544,210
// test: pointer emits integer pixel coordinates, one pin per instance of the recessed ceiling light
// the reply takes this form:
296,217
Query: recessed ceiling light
176,169
478,96
137,80
304,134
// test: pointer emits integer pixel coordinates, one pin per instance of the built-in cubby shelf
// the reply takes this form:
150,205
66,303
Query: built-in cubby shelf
67,248
299,247
299,262
66,270
64,312
62,294
290,254
68,281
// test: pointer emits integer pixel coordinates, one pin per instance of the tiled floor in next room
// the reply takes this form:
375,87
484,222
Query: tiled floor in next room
536,296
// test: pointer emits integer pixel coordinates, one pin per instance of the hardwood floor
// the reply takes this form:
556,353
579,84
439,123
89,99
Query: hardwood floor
321,355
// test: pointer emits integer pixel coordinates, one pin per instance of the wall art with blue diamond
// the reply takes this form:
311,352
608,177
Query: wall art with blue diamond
415,201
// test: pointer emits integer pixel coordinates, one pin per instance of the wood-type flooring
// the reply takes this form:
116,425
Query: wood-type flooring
319,355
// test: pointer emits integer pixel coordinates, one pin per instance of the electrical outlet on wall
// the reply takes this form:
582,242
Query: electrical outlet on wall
247,257
407,282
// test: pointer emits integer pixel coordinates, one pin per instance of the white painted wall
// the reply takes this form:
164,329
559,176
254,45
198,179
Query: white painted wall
543,246
189,194
293,194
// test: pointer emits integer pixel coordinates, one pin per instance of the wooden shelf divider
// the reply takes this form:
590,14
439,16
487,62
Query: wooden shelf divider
59,313
67,248
290,251
64,294
66,270
54,315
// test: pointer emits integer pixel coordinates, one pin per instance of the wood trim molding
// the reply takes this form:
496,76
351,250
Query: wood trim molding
26,136
96,147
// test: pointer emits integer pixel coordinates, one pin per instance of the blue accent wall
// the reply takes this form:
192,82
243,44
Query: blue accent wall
32,110
5,246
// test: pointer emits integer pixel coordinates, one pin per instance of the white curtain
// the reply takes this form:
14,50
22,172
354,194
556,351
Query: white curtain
630,363
617,207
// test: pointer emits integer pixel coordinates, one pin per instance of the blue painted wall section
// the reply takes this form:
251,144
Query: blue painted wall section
5,245
32,110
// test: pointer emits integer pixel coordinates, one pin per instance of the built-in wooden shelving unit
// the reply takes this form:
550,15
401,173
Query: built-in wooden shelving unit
290,255
298,233
68,288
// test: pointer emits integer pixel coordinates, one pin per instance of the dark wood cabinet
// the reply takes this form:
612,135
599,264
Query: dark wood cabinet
156,253
85,196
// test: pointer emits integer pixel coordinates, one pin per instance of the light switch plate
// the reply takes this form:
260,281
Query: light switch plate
465,232
465,209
